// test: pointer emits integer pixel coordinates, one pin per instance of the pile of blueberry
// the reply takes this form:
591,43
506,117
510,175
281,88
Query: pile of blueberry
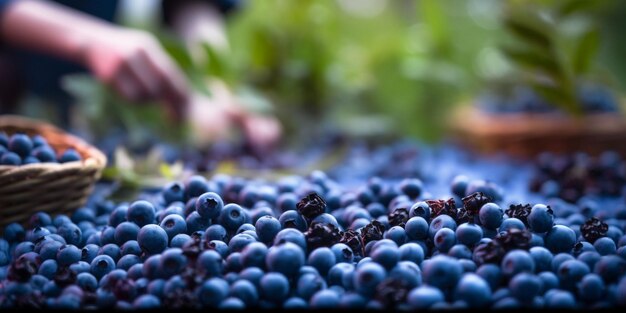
308,242
572,176
20,149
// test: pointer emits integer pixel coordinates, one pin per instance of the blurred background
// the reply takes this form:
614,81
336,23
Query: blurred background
372,70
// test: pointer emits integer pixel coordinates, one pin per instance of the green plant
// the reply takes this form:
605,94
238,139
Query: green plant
554,44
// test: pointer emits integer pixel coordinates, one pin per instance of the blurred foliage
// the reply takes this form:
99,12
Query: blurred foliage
328,66
554,45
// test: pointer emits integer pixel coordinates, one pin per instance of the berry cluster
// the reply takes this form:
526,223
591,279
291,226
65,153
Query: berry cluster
20,149
569,177
308,242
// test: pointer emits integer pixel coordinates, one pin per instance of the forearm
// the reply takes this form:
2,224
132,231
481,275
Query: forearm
50,28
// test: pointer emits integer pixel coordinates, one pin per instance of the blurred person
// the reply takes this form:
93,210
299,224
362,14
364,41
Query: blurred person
40,41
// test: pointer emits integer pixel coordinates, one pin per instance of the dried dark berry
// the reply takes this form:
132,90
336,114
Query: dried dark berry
352,239
65,276
372,231
514,239
490,252
439,207
124,289
463,216
392,291
520,212
180,299
322,235
192,249
24,267
473,203
398,217
311,206
593,229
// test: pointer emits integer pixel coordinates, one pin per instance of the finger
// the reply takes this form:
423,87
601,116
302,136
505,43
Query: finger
172,85
144,73
125,85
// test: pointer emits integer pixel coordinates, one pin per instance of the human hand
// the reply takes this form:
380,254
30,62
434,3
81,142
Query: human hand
134,64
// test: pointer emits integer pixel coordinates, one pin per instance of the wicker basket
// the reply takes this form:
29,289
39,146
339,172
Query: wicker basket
48,187
528,134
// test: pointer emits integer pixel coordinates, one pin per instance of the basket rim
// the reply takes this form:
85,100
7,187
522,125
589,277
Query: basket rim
94,155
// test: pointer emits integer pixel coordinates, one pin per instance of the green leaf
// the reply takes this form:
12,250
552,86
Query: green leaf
534,61
558,96
567,8
586,49
530,34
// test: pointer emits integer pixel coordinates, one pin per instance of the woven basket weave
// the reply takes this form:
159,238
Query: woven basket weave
49,187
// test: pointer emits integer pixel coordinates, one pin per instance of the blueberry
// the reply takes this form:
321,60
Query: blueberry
102,265
30,160
406,272
210,263
541,218
172,262
39,219
240,241
232,303
253,275
517,261
511,223
141,213
152,239
111,250
441,271
173,192
232,216
195,186
212,292
71,233
216,232
385,255
424,297
173,225
10,158
411,187
292,219
525,287
590,258
326,218
44,154
14,232
542,258
131,247
621,289
324,299
460,251
220,247
459,185
473,290
469,234
68,255
209,205
48,268
439,222
4,139
69,155
375,209
444,239
245,291
291,235
308,284
253,254
80,267
285,258
491,273
146,302
605,246
397,234
118,215
560,239
412,252
126,231
179,240
559,299
490,216
591,288
610,268
274,287
267,227
36,234
20,144
127,261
